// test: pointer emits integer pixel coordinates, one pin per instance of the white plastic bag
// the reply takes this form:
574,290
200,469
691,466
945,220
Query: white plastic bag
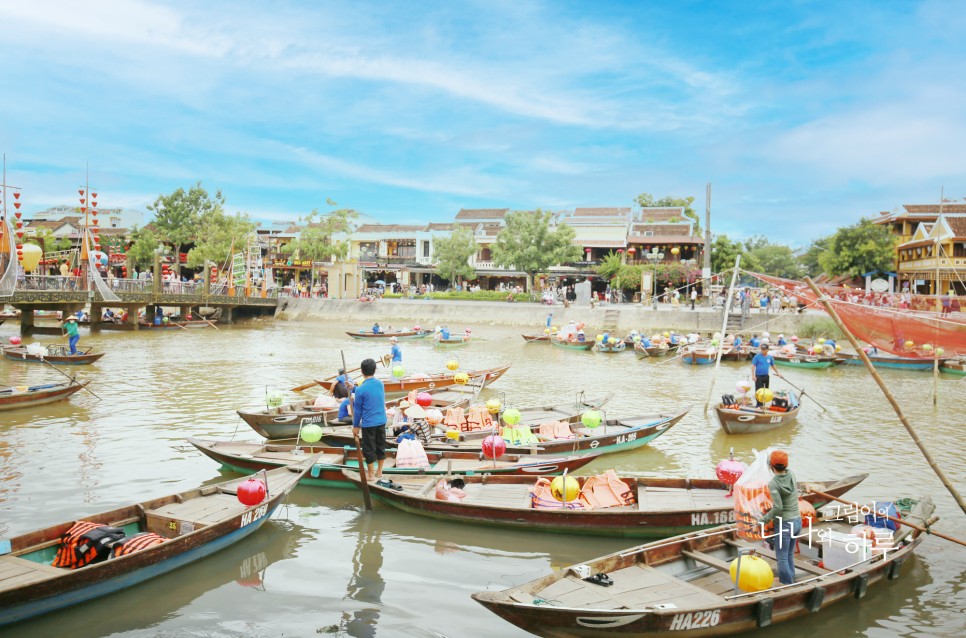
752,497
410,453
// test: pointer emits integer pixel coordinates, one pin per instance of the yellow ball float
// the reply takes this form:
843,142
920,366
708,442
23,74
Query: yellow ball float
764,395
572,487
493,406
461,378
452,364
756,573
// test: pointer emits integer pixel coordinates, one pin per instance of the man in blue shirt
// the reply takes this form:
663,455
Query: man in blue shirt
754,343
396,352
369,415
781,340
344,416
444,333
376,329
761,365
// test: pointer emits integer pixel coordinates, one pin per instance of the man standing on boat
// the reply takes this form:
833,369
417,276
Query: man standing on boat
395,351
784,511
761,365
369,415
73,336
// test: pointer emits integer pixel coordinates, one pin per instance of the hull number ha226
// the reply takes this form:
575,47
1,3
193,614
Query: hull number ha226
695,620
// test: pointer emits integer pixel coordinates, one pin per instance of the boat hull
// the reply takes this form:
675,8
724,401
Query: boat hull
572,345
896,363
15,400
536,338
383,335
805,361
21,354
744,422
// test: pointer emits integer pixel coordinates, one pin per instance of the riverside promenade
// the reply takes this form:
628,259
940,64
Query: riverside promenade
532,317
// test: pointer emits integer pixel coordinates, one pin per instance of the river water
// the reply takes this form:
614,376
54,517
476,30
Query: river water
324,567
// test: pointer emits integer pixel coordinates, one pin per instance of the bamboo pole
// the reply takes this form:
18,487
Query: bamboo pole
885,390
892,518
724,327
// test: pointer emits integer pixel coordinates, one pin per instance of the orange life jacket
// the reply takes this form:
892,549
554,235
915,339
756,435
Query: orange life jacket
541,497
136,543
606,490
85,543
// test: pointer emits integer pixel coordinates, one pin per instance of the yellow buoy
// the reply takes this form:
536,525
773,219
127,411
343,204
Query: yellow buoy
764,395
572,487
756,574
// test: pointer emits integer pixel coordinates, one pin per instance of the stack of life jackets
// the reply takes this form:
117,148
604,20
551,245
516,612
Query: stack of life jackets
598,492
86,543
556,430
519,435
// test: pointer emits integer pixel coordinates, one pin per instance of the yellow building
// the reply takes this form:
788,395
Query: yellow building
931,249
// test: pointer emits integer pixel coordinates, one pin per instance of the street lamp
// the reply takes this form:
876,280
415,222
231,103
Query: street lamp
653,257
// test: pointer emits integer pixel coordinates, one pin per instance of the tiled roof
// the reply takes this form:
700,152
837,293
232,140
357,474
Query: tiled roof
389,228
933,209
431,227
482,213
661,229
662,213
48,225
600,243
490,231
602,212
958,225
71,219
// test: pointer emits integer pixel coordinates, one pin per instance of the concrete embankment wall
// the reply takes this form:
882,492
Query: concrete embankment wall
459,314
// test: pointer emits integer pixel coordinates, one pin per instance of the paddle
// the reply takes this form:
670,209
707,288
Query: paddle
69,377
891,518
210,323
309,385
802,393
361,461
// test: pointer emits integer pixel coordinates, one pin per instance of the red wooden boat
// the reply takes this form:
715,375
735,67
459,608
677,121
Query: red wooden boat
59,354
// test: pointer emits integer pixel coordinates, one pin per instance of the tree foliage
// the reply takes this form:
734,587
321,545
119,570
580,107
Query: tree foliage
810,259
177,216
859,248
723,253
141,251
218,236
771,259
316,238
528,243
46,239
610,266
645,200
453,253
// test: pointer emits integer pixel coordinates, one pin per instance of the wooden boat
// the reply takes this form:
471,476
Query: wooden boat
749,419
698,354
681,586
651,351
572,345
284,422
195,523
536,338
953,366
29,396
401,334
59,354
742,353
400,387
613,435
663,506
814,361
889,361
609,348
247,458
193,323
452,341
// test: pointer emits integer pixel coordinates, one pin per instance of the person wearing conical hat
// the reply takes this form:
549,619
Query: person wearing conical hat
73,336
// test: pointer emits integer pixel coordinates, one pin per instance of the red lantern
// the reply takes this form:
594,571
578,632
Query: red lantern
16,195
251,492
94,212
15,340
94,194
424,399
80,191
631,250
82,201
16,204
729,471
493,446
18,214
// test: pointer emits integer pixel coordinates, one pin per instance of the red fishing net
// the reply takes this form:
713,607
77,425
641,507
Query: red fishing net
906,325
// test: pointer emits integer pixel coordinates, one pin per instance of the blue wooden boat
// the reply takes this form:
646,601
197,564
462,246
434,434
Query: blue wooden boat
890,361
698,354
572,345
194,524
401,334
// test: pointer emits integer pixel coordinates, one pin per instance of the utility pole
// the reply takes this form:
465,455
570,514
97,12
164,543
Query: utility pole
706,270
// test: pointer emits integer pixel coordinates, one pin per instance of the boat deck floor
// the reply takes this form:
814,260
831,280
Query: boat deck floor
634,587
670,499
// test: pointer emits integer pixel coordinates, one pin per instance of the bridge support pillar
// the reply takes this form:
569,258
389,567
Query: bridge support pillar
132,317
97,312
26,321
228,315
185,313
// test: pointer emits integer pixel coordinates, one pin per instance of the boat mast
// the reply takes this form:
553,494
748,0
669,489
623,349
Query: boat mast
724,326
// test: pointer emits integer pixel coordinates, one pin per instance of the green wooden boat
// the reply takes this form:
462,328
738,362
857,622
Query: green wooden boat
572,345
814,361
953,366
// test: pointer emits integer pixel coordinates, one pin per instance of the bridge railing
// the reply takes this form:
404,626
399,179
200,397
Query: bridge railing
48,282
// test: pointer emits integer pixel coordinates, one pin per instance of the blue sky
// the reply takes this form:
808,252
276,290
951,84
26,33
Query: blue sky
803,115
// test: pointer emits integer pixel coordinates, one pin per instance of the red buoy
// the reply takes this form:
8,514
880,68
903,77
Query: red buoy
251,492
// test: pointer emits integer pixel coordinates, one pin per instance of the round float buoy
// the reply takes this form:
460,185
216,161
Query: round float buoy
251,492
756,573
511,416
591,419
493,446
310,433
558,486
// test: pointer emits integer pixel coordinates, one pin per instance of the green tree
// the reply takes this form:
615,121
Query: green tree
44,238
773,259
452,255
858,249
316,237
723,253
177,216
645,200
610,266
529,244
144,242
810,259
218,236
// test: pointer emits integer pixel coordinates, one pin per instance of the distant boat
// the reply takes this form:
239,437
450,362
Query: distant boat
58,354
29,396
402,334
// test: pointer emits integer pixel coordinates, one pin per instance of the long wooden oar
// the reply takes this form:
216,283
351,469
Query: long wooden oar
313,383
210,323
802,393
361,461
69,377
891,518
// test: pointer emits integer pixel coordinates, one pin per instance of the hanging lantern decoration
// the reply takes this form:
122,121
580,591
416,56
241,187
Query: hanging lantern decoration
493,446
729,471
461,378
493,406
675,250
809,515
31,254
631,250
251,492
